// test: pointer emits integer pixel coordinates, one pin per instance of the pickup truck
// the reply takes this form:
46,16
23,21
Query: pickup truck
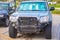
31,17
5,9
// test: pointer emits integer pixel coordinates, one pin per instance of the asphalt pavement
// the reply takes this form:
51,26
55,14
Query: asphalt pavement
55,31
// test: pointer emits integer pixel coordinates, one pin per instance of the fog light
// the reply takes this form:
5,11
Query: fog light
13,24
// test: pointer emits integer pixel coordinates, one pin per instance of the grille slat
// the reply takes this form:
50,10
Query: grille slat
28,20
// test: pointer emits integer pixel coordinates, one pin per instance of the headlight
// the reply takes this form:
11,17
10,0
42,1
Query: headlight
13,19
1,15
44,19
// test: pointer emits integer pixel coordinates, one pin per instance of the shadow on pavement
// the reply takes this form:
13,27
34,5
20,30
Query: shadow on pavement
2,25
32,36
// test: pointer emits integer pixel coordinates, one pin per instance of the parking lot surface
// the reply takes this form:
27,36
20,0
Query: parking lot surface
56,22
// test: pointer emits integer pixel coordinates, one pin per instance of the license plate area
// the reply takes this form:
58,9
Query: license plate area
27,28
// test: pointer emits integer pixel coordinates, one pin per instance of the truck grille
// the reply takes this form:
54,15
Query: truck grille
27,20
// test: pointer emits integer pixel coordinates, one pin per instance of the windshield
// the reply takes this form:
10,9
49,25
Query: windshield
4,6
33,6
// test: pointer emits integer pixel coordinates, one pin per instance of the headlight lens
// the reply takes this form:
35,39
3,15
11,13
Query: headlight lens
13,19
1,15
44,19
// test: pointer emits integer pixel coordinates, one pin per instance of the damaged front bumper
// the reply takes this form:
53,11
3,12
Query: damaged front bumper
31,28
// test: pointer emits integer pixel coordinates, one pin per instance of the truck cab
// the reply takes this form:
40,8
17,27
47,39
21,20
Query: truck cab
31,17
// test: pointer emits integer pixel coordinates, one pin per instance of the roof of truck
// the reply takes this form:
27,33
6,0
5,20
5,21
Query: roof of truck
34,1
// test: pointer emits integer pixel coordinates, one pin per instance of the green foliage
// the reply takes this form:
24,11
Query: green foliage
3,0
18,1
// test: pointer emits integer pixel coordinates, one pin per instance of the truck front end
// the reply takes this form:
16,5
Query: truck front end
31,17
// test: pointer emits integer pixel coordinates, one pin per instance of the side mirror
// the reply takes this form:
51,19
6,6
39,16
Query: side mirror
52,8
11,10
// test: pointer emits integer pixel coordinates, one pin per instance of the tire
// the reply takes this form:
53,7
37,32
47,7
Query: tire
48,32
12,31
7,22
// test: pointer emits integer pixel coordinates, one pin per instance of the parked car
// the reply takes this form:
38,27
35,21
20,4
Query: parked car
31,17
4,13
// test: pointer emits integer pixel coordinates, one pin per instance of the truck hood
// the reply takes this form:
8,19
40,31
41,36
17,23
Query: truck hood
30,14
3,12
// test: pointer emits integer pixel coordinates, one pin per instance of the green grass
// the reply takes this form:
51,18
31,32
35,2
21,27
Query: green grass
56,12
55,5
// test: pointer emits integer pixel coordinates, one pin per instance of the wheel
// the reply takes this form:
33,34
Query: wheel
7,22
12,31
48,33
